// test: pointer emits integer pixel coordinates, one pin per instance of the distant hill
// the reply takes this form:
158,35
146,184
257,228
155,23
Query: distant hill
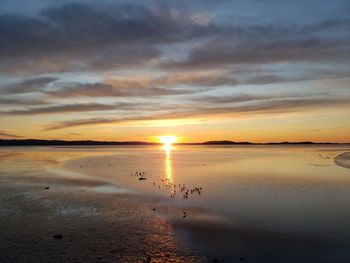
34,142
225,142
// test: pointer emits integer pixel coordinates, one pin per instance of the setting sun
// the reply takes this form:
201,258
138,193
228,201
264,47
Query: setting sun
167,140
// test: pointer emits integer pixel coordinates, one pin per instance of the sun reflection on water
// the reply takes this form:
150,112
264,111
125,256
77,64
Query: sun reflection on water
168,165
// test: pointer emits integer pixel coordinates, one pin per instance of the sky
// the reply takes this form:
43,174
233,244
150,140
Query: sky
242,70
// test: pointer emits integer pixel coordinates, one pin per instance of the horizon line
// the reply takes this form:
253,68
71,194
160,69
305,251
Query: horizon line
48,142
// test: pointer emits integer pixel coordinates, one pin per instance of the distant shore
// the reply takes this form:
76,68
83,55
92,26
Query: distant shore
35,142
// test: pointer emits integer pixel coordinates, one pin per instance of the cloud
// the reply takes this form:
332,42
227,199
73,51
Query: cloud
119,89
225,51
132,87
322,130
28,85
91,37
239,98
259,107
206,78
67,108
261,44
127,108
8,135
231,98
21,101
73,134
179,83
82,37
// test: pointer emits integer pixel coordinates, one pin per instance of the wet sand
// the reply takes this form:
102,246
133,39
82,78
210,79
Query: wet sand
70,223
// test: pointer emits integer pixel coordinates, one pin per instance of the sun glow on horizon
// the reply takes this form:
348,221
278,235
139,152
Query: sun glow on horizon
167,140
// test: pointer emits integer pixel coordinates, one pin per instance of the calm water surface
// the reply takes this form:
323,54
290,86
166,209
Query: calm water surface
290,189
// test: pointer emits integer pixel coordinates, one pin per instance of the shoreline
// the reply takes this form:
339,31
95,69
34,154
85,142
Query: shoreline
343,160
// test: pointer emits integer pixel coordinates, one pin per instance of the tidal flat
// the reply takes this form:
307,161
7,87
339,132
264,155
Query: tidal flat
185,204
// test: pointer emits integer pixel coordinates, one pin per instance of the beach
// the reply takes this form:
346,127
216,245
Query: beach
89,204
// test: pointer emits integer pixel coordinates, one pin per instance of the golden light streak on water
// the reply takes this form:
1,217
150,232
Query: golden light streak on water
168,166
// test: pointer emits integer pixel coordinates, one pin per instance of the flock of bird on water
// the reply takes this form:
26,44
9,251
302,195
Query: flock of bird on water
170,186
